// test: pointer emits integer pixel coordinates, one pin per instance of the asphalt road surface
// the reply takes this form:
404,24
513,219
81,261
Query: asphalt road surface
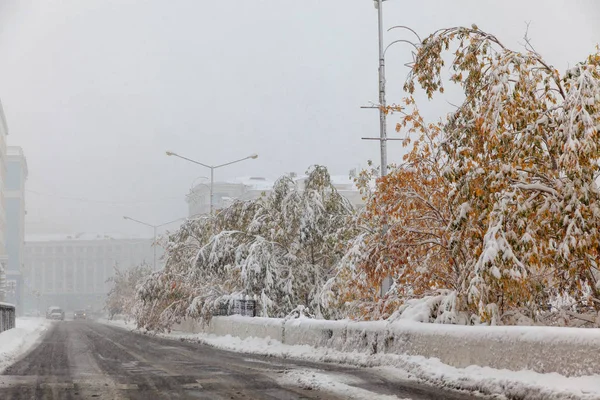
87,360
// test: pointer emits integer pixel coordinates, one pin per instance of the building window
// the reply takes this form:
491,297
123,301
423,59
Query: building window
89,278
48,277
79,271
60,277
13,175
69,281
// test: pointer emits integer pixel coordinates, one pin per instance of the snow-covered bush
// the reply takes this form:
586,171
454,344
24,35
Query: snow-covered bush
279,249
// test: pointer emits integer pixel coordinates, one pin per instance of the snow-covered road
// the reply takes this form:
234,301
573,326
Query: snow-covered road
87,360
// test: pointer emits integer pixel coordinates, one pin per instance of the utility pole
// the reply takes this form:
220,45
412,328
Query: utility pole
382,101
154,244
382,106
387,282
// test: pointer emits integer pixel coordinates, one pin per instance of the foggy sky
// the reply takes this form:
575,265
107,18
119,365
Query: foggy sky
95,91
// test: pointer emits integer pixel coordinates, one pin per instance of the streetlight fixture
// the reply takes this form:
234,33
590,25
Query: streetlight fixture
383,139
212,171
155,227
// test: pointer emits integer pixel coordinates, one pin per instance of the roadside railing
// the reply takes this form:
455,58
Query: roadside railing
237,307
7,316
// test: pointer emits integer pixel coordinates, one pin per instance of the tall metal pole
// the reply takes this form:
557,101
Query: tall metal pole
387,281
212,186
154,247
382,103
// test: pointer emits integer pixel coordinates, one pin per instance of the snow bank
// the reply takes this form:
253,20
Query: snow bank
511,384
17,341
566,351
342,385
245,327
312,332
121,323
379,346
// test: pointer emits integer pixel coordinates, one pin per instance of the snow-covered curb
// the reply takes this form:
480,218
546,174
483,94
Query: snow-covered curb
566,351
512,384
19,340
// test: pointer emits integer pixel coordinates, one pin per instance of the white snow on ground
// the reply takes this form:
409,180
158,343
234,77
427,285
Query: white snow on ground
512,384
118,322
15,342
521,384
334,383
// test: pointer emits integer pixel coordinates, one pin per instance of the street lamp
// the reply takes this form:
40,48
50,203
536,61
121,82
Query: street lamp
212,171
382,103
383,139
155,227
387,282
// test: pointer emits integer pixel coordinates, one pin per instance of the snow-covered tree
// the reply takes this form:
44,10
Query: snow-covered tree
279,249
405,232
503,204
523,152
121,297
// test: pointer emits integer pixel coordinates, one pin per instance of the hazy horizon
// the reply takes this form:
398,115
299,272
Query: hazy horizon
95,92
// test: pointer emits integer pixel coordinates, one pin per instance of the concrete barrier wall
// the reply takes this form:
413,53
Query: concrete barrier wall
567,351
244,327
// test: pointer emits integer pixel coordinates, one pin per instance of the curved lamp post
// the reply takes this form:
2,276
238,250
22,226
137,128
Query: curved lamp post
212,171
155,227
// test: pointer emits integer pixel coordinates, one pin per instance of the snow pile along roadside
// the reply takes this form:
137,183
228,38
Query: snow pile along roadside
490,381
565,351
380,346
121,323
340,385
17,341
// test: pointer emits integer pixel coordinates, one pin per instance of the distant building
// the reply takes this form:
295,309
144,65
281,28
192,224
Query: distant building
3,255
249,188
224,193
71,271
16,174
345,186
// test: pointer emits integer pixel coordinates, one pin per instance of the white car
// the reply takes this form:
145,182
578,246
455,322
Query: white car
55,313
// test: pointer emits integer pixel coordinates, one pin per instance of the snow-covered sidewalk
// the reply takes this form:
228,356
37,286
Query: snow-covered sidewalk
17,341
512,384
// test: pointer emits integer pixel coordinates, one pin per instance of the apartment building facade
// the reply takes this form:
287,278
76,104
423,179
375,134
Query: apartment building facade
5,286
16,175
71,271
